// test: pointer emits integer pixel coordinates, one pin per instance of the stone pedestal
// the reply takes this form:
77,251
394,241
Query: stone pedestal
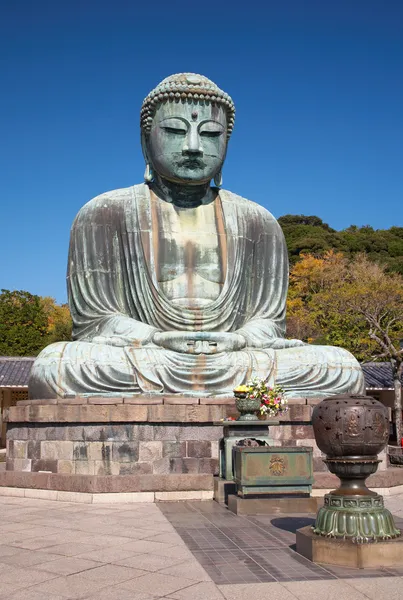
115,444
144,443
345,553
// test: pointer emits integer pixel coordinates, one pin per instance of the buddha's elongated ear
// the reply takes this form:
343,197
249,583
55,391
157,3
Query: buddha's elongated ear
218,179
148,173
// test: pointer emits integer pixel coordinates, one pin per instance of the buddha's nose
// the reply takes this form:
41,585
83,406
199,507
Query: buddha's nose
192,143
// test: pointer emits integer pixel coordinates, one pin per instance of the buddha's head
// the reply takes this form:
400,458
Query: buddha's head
186,122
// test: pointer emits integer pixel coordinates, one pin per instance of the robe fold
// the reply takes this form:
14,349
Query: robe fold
117,306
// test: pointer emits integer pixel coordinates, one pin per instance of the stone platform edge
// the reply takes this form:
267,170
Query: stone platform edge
183,483
144,409
105,498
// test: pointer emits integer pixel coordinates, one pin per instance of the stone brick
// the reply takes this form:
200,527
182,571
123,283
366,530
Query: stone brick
65,466
218,401
318,464
310,443
161,466
80,451
139,468
215,449
145,433
15,432
201,414
104,400
150,451
85,432
76,400
100,451
22,464
281,432
166,413
94,414
125,451
68,413
166,432
9,464
180,400
198,449
41,432
18,414
59,433
42,414
84,467
302,432
297,412
44,465
208,465
174,449
124,432
314,401
200,433
34,449
106,467
57,450
143,401
128,412
184,465
45,432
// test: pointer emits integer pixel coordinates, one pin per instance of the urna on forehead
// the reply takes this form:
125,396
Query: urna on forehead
186,88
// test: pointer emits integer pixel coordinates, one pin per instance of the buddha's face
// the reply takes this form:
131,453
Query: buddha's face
188,141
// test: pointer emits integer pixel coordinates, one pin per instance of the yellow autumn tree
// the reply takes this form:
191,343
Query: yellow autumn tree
59,323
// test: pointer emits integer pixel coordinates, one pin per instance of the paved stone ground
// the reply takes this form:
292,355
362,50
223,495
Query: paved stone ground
191,550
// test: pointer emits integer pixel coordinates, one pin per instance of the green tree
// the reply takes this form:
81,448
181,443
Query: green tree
60,325
309,234
353,303
23,324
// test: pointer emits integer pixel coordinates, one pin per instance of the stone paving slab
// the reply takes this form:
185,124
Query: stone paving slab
237,549
180,551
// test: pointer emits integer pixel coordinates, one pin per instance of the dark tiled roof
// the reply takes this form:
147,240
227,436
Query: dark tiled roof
378,375
15,370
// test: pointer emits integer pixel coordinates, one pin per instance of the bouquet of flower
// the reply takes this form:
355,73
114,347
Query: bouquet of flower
272,399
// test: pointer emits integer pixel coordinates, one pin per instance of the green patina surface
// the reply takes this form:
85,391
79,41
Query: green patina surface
268,470
359,518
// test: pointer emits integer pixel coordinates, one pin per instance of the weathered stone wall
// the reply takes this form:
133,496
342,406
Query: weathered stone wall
119,444
124,449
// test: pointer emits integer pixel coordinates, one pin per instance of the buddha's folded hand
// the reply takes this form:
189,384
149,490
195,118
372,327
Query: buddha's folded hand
199,342
280,343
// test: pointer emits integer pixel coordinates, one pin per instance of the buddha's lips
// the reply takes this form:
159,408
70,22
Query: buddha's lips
192,163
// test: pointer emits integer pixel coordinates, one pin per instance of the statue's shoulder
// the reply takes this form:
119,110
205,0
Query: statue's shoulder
251,210
113,201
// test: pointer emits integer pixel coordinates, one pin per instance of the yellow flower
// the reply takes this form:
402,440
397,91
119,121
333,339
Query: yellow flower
242,388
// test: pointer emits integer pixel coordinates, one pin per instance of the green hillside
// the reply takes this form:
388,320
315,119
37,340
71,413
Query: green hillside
311,234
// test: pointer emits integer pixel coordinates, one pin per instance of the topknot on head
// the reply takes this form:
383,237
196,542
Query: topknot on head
183,87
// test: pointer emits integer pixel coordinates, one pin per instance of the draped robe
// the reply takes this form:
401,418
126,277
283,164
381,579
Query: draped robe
117,306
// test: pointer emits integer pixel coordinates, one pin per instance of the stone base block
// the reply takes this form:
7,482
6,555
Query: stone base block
344,553
109,484
223,489
264,506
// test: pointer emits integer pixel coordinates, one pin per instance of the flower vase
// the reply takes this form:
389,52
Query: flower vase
247,407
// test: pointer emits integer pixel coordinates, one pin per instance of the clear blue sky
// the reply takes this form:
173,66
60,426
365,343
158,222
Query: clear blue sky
318,87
